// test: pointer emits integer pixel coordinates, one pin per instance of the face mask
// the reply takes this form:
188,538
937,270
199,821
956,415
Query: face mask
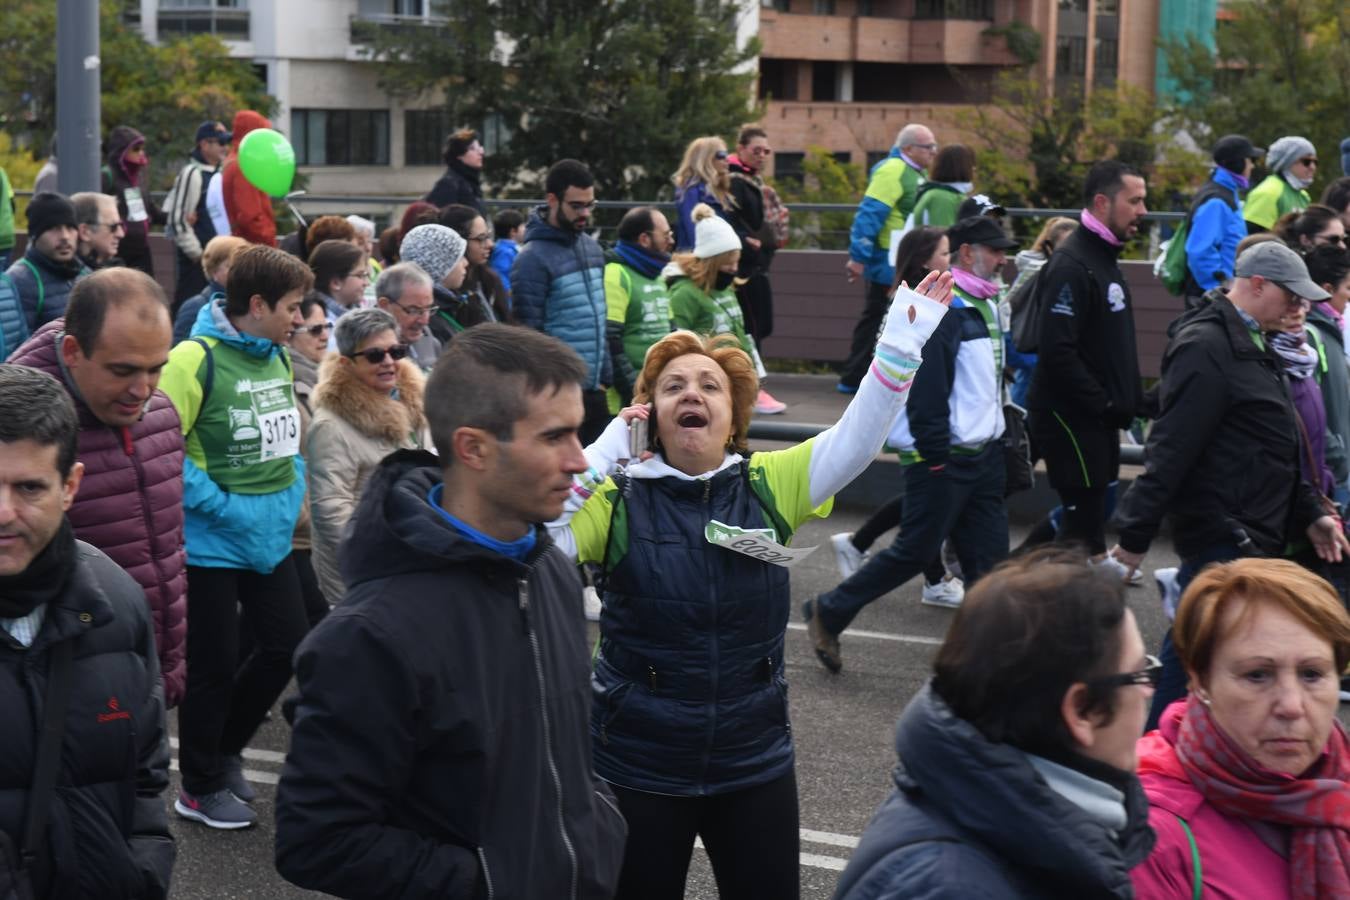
724,280
1298,184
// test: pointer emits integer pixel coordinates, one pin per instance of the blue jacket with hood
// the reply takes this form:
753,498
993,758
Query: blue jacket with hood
558,287
1216,228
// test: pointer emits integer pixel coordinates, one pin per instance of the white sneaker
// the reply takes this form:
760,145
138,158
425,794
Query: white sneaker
1169,590
847,557
1137,578
949,592
950,561
1111,564
591,600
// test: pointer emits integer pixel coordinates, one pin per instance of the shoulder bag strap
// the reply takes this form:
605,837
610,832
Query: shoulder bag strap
210,377
48,751
1197,886
41,288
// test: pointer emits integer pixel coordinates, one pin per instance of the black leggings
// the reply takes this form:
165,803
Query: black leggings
882,521
750,835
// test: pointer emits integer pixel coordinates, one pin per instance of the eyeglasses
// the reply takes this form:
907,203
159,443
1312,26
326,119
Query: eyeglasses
376,355
113,226
1330,239
1309,160
415,311
313,330
761,151
581,205
932,146
364,274
720,154
1150,675
481,238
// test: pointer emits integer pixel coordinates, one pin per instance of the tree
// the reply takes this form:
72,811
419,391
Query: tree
824,180
1279,67
623,85
163,90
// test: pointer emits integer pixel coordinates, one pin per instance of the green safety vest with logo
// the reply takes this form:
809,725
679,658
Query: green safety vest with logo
715,313
641,304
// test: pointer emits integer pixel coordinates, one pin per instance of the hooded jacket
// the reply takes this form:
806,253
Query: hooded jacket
108,834
440,747
971,818
1215,231
138,210
558,287
130,503
352,430
249,209
43,286
1223,454
235,516
460,184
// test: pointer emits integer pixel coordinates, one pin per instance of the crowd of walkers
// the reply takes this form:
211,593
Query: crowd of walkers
384,464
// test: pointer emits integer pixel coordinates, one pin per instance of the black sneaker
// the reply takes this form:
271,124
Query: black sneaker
221,809
235,782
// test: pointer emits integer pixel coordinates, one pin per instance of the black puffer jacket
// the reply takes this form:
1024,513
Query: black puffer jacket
108,835
970,818
1224,452
460,184
440,746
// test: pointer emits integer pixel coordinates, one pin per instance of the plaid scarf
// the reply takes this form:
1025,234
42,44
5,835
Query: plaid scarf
1314,806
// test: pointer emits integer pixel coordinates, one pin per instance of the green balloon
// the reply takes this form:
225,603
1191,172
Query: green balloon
268,161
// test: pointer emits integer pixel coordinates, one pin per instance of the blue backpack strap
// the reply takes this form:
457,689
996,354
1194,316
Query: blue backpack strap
209,379
1197,886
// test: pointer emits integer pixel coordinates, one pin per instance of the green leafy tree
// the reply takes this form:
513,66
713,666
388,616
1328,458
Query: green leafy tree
622,84
824,180
1279,67
163,90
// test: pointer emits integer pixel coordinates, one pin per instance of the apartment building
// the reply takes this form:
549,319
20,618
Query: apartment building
847,74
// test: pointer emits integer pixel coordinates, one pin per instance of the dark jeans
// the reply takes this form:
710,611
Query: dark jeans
597,415
876,301
882,521
750,835
1172,687
191,279
226,697
963,500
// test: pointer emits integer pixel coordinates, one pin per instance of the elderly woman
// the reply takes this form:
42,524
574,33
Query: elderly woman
368,404
1248,778
690,720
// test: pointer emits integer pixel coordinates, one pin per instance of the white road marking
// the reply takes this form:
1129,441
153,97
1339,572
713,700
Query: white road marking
829,837
815,860
881,635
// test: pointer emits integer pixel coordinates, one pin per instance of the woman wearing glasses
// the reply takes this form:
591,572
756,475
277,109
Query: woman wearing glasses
368,404
1292,166
483,291
704,176
1248,777
1017,760
1316,226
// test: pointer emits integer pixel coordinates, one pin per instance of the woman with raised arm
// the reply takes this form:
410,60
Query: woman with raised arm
690,719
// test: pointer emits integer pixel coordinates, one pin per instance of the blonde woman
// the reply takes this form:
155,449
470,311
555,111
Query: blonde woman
703,177
703,290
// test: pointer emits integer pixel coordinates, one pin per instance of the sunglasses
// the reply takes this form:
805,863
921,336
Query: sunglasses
1151,674
376,355
314,330
1309,160
720,154
1331,239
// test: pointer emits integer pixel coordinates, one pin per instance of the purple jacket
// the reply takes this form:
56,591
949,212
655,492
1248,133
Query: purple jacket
130,504
1312,412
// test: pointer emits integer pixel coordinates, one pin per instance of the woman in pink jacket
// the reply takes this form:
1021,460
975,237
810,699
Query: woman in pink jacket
1248,778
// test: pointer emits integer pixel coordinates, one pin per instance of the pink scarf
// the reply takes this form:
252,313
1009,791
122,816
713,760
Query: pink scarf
1091,223
1314,806
1338,318
973,284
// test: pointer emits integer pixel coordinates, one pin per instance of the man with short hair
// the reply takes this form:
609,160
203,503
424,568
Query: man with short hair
892,187
950,453
100,229
1086,385
46,272
1017,759
189,222
636,303
558,282
1224,453
75,636
108,352
404,291
468,770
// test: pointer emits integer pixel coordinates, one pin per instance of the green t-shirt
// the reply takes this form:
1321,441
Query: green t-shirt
1270,199
641,304
715,313
246,432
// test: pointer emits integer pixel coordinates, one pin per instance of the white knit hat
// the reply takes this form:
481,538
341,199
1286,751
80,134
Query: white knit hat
713,236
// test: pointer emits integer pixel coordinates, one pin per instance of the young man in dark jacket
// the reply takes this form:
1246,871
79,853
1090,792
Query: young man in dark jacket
1223,455
441,745
1017,761
1086,386
106,831
463,178
46,272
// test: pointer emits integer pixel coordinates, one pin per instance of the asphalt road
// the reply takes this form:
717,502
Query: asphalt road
843,725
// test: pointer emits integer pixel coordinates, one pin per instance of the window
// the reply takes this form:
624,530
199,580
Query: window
822,7
954,9
876,156
824,81
227,18
777,79
1071,56
340,137
787,167
1106,63
780,5
424,132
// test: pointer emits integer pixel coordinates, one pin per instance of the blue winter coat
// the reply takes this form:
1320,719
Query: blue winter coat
1216,228
686,198
971,818
558,287
44,297
13,324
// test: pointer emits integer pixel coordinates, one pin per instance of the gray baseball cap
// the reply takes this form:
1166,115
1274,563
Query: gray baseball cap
1275,262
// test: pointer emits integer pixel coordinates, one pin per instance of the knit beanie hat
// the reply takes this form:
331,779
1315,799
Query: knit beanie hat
436,249
48,210
713,235
1286,150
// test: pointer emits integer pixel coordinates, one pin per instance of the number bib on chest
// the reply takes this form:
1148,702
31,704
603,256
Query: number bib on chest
278,422
135,205
757,543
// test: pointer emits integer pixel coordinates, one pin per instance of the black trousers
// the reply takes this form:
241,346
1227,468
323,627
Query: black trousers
1081,462
596,407
876,301
756,301
191,279
751,838
227,697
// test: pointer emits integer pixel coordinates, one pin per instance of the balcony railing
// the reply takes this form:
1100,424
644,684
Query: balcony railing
363,25
978,10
